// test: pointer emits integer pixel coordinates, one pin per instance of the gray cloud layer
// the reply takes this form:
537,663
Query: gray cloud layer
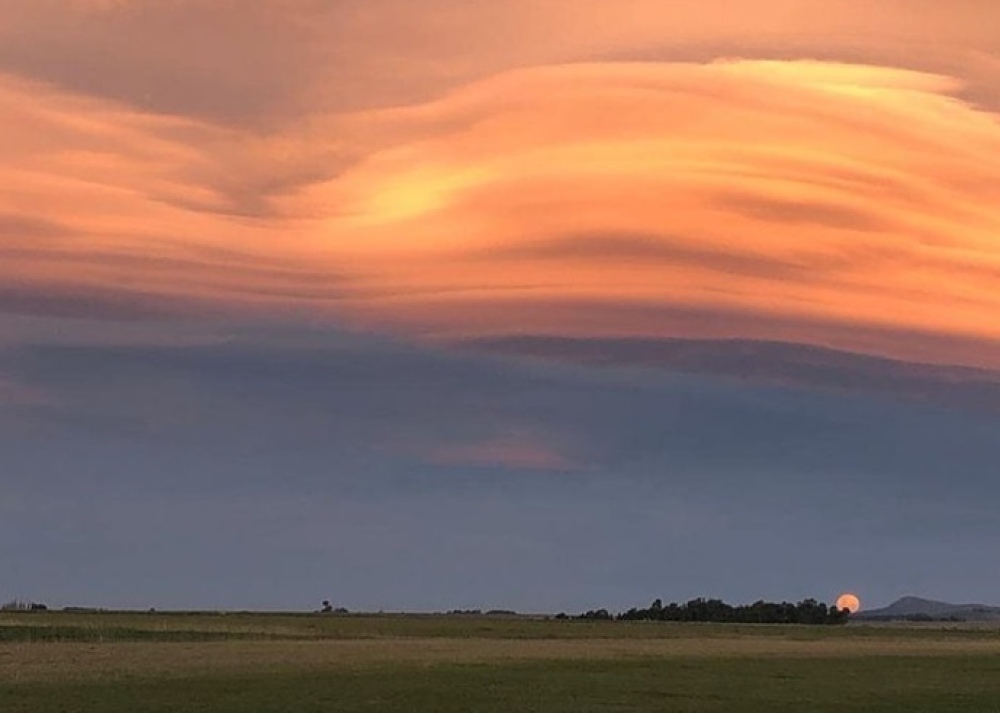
264,475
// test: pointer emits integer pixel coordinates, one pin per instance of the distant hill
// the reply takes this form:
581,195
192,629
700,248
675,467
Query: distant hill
917,609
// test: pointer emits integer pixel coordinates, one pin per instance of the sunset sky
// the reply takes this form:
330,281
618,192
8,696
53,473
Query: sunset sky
533,304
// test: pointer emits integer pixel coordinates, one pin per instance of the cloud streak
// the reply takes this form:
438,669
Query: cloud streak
868,193
112,212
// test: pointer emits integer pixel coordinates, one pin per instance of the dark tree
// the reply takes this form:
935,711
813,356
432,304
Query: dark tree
808,612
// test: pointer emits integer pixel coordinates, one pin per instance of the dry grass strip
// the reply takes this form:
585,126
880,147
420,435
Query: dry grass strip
122,660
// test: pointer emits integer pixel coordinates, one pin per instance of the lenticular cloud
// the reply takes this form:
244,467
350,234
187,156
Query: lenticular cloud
825,203
798,200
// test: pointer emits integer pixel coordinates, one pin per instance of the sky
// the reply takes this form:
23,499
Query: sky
542,305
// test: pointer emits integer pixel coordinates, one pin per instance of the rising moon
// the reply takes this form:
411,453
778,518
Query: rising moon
848,601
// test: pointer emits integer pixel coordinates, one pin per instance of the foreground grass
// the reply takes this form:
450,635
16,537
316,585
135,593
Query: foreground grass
216,663
731,685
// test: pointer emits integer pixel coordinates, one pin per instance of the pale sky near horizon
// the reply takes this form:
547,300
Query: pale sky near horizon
534,304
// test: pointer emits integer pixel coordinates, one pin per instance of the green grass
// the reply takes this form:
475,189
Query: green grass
739,685
102,634
78,662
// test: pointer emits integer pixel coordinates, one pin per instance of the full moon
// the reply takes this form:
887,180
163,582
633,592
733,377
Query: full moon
848,601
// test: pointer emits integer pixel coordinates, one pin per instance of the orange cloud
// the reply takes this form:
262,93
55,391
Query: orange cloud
845,205
792,200
516,452
106,209
272,60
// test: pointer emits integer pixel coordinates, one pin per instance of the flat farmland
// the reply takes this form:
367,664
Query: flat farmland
286,662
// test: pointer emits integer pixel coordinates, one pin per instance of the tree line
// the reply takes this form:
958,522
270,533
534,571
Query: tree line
808,611
16,605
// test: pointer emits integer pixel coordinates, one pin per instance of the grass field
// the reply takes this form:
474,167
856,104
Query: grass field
300,663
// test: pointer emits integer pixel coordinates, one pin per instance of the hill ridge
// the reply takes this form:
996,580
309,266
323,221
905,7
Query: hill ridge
912,607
